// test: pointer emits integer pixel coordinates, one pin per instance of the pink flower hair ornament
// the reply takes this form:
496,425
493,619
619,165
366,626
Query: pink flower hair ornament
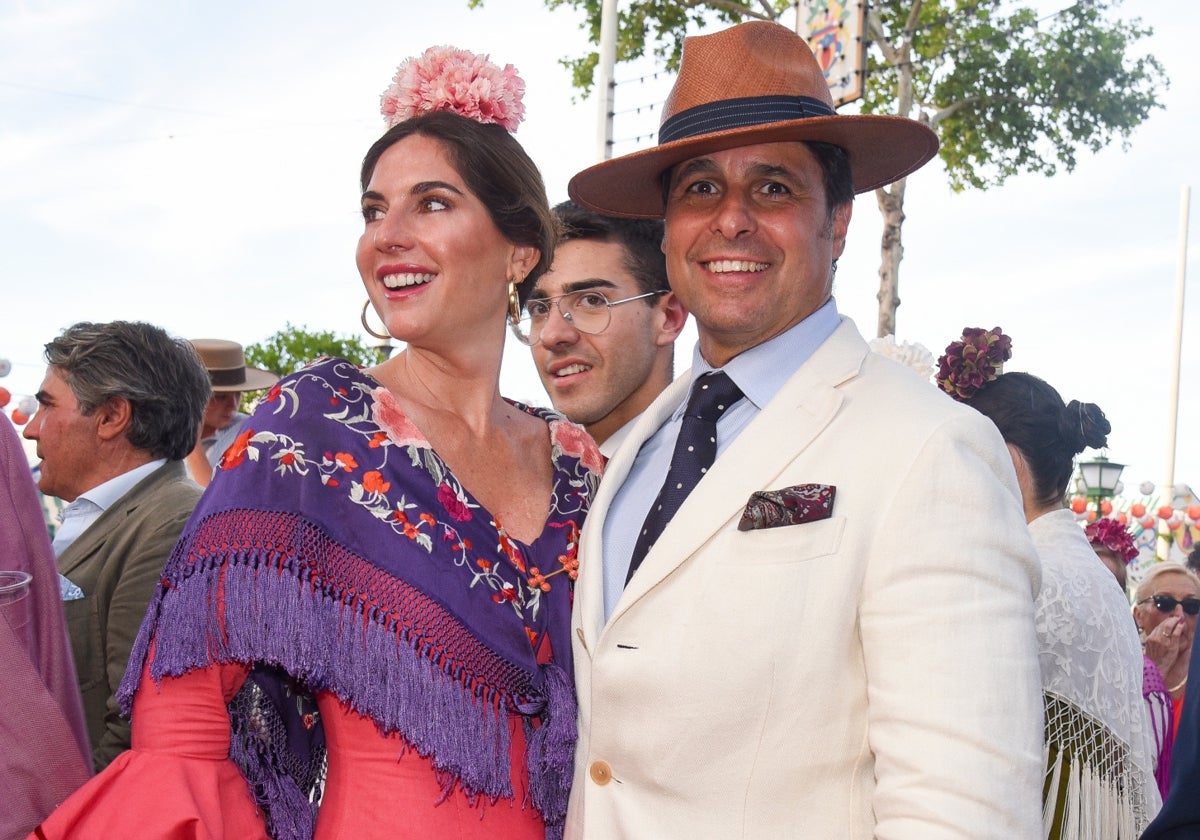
449,79
971,362
1111,534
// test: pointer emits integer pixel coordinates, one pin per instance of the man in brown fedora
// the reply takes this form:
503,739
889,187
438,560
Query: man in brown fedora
225,362
806,596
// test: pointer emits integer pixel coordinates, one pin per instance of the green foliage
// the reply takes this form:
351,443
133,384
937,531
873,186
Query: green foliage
293,347
1006,91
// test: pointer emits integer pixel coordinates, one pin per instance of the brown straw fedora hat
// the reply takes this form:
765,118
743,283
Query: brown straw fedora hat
753,83
225,362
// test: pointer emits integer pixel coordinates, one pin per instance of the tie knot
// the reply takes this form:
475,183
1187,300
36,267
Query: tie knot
712,394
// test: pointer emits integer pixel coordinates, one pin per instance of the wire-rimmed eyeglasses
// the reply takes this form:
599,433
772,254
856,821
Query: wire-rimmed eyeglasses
587,310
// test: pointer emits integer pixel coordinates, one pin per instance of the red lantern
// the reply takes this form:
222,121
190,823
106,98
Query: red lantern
1106,507
1078,504
1091,516
1122,518
1147,522
20,417
1137,510
1165,512
5,396
1193,512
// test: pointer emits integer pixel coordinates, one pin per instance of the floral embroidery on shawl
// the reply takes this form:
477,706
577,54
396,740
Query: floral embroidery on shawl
336,549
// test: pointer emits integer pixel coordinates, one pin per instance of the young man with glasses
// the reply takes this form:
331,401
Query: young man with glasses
602,322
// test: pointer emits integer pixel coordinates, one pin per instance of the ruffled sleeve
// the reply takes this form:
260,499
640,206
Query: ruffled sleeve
177,782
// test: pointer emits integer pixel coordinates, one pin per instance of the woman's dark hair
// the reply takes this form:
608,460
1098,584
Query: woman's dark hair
496,169
1031,416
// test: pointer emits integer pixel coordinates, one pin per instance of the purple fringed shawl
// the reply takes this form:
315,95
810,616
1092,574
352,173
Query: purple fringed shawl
1162,722
337,552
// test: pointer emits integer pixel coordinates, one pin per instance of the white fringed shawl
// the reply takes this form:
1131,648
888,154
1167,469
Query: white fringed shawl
1099,772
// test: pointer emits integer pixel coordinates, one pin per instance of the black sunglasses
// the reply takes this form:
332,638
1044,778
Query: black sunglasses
1167,603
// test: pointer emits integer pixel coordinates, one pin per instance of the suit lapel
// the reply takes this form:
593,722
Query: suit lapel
108,523
788,424
589,592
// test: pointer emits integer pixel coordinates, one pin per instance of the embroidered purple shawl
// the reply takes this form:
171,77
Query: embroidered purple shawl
336,551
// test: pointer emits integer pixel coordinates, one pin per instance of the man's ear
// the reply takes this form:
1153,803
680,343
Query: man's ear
113,418
840,224
670,317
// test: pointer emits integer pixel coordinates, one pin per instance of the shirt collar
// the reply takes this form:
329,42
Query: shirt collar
103,495
763,370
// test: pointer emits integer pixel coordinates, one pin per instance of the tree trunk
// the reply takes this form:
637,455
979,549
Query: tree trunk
891,206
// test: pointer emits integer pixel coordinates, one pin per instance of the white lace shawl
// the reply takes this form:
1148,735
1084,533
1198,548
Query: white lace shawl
1091,663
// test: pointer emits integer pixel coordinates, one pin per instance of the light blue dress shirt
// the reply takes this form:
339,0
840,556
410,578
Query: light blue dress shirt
760,372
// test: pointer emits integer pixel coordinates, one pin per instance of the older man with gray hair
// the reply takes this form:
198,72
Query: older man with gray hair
119,409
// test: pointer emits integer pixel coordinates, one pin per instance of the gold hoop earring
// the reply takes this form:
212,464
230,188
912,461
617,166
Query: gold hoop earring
366,326
514,303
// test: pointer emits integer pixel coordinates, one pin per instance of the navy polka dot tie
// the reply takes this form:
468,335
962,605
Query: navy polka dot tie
695,451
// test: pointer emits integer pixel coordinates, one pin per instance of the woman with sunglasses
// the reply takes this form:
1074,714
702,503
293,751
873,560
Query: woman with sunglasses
1165,608
1099,771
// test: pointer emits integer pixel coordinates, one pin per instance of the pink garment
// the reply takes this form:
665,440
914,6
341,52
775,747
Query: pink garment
45,754
377,787
1162,721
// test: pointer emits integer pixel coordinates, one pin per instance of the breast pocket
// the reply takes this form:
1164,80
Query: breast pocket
784,545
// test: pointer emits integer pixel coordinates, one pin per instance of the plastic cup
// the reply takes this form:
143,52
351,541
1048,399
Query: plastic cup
15,603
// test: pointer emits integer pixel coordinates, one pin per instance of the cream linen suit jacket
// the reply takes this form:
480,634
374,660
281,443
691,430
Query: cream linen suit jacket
873,674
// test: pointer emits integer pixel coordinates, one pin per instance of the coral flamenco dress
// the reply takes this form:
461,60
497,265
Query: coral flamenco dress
346,644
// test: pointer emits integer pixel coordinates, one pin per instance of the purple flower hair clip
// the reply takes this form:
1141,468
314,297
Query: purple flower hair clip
450,79
1111,534
973,361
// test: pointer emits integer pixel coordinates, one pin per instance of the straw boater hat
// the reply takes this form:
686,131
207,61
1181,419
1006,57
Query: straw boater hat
225,362
753,83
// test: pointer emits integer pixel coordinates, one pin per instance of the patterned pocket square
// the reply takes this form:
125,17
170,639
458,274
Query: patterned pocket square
789,506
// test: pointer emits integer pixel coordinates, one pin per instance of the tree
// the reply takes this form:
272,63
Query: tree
1005,90
293,347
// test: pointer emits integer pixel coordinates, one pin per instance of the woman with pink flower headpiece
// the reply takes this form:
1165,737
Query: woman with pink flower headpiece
1099,767
364,629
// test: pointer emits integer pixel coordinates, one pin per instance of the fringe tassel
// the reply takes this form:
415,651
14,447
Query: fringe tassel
271,616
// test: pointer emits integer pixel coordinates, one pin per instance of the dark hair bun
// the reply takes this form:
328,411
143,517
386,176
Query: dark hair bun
1082,425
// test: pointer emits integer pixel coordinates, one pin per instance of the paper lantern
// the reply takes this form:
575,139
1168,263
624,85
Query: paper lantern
1165,511
1079,504
27,405
1137,510
1146,522
1106,507
5,396
1091,516
1123,518
20,417
1120,488
1147,488
5,367
1175,521
1193,512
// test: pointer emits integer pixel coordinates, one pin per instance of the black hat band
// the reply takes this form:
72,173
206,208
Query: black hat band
740,113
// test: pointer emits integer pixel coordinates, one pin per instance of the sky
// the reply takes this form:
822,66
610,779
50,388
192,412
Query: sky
194,164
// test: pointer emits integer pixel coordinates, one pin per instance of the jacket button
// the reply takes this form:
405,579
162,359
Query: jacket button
600,772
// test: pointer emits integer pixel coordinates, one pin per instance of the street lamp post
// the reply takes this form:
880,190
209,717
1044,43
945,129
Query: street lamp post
1100,478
